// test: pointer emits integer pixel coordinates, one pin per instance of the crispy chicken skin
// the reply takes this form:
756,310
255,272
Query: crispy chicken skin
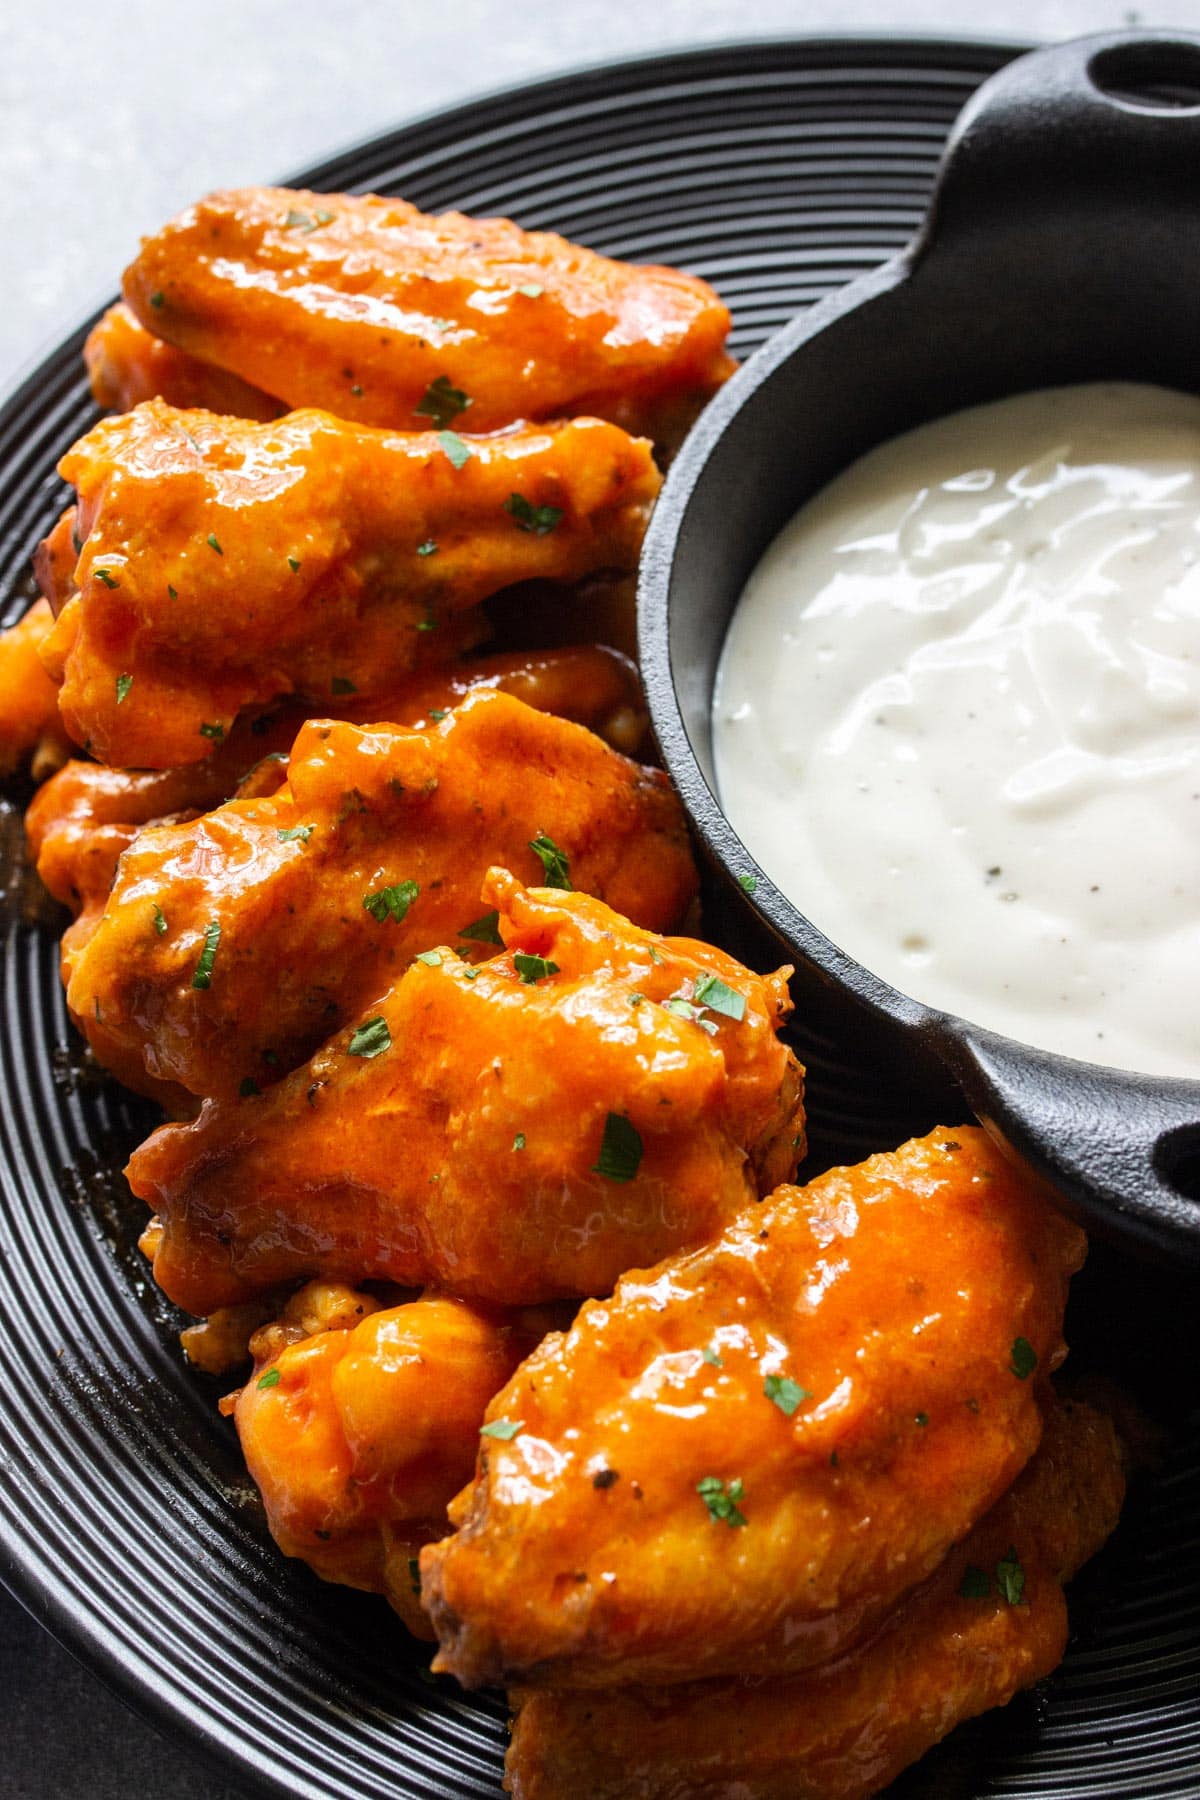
30,729
887,1299
227,562
371,1427
360,305
127,364
456,1138
285,881
845,1730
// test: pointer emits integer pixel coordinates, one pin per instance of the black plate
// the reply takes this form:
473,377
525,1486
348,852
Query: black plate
126,1524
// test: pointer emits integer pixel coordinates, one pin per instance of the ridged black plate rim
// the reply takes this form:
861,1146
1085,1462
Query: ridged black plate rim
111,1468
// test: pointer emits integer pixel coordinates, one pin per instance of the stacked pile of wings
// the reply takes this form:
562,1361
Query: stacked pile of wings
371,894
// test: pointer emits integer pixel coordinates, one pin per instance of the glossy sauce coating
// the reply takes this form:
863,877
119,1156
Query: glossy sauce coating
127,364
30,728
845,1730
889,1296
286,879
367,1428
359,304
226,562
464,1151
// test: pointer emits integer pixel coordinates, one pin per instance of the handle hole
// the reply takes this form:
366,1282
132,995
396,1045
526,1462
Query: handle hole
1162,76
1177,1160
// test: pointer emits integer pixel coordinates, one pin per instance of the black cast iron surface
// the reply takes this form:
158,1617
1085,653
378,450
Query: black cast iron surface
126,1525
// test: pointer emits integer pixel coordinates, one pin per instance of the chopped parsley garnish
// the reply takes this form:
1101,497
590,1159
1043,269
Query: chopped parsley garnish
269,1380
504,1429
458,452
682,1008
429,622
215,732
428,548
1010,1578
554,862
296,834
713,993
106,576
356,390
160,921
157,299
442,402
620,1150
414,1574
533,968
531,290
371,1039
213,543
248,1087
431,958
922,1418
438,713
786,1394
975,1584
1023,1359
391,902
124,683
208,955
712,1355
723,1502
483,931
171,593
293,564
748,882
300,221
656,955
519,1141
538,519
341,684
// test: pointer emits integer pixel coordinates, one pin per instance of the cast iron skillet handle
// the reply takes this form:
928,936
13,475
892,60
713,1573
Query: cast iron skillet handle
1071,130
1122,1150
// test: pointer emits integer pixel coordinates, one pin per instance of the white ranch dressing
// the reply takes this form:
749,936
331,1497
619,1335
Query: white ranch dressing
957,719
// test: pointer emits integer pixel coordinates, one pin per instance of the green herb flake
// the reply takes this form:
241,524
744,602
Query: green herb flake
922,1419
540,520
531,290
248,1087
293,563
428,548
620,1150
428,623
371,1039
458,452
533,968
431,958
172,594
504,1429
157,299
712,1356
723,1501
1010,1579
356,390
519,1141
296,834
160,921
215,732
391,902
269,1380
975,1584
442,402
555,865
297,221
1023,1359
213,543
208,955
106,576
438,713
785,1393
680,1007
414,1574
656,955
713,993
124,683
483,931
748,882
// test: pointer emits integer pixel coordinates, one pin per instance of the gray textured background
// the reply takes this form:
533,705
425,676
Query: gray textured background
114,116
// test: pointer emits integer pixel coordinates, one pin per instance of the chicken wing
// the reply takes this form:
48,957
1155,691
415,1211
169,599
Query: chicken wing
742,1461
991,1621
381,314
234,944
359,1435
226,563
516,1131
127,364
30,728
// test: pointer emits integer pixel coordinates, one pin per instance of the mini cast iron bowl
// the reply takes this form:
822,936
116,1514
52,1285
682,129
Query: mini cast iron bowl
1062,245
